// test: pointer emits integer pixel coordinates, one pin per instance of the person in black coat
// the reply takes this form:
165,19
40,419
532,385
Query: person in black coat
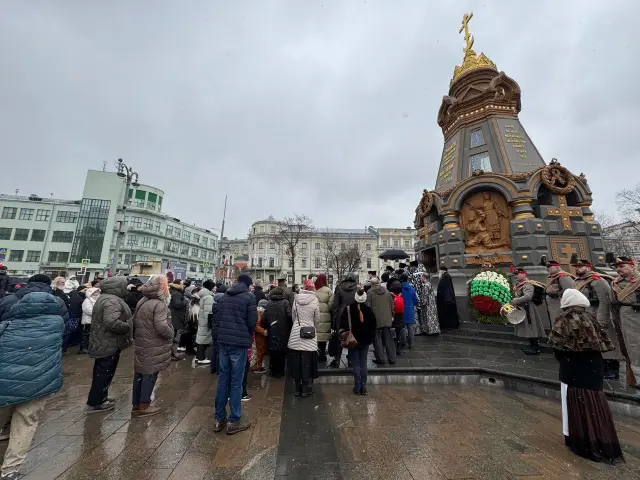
258,291
277,320
361,321
179,308
446,300
134,295
76,297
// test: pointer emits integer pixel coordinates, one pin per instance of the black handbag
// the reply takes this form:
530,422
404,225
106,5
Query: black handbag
334,348
306,333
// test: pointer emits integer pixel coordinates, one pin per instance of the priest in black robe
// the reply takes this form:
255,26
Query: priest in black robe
446,300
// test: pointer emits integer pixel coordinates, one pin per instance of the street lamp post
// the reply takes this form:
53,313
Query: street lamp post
124,171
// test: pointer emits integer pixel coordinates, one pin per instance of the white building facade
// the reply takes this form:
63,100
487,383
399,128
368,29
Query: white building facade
57,237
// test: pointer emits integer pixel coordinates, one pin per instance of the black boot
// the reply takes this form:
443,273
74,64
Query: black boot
533,348
298,391
306,389
611,369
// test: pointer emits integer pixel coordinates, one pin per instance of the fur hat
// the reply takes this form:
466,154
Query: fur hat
263,303
360,296
41,278
246,279
574,298
257,283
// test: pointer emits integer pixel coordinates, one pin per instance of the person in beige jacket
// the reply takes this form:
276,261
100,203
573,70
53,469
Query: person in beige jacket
153,340
325,299
303,356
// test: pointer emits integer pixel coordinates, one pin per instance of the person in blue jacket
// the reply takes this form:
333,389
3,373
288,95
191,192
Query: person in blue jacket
31,332
410,298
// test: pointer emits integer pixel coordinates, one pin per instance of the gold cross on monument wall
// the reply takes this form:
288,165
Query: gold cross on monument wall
567,251
564,212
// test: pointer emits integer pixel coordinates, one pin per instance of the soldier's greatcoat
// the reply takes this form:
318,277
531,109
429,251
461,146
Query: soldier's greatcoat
597,289
556,285
626,292
532,327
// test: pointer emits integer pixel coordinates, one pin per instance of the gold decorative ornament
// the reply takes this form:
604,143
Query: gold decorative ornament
539,225
524,257
471,60
557,178
520,226
455,261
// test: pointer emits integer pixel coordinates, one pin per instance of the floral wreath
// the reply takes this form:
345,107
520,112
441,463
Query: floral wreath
489,290
547,178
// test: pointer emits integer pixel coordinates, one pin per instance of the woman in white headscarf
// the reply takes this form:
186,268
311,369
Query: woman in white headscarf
578,342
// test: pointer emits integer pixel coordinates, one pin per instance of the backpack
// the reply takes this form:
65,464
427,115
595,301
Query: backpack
398,303
538,294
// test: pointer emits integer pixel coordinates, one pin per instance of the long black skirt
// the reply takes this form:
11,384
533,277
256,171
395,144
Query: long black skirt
591,431
302,366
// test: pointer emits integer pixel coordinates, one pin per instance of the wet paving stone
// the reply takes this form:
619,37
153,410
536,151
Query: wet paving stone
413,432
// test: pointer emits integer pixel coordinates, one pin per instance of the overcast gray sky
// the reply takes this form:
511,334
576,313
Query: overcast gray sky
326,108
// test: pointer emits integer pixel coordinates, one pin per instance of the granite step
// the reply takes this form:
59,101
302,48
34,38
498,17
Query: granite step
516,343
485,326
488,333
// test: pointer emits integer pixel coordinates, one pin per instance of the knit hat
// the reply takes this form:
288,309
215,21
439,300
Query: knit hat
374,280
361,296
573,298
258,283
309,285
263,303
246,279
41,278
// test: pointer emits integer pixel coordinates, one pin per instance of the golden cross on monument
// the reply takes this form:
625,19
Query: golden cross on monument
568,250
467,38
564,212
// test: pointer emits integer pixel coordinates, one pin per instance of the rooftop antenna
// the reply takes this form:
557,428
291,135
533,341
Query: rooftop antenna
17,191
104,166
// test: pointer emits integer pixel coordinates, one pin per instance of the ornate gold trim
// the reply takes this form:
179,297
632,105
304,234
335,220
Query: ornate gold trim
552,177
519,216
522,201
452,225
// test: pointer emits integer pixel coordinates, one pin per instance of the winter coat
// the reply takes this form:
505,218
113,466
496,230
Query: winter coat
283,290
305,313
4,284
380,301
345,293
235,316
410,303
365,330
133,297
10,300
31,349
62,296
76,299
203,337
153,330
87,306
325,299
111,323
179,306
277,320
259,294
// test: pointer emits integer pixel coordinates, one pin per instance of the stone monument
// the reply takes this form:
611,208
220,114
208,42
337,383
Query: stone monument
495,198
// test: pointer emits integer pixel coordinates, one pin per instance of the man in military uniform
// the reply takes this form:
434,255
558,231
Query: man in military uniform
532,327
626,298
595,286
557,282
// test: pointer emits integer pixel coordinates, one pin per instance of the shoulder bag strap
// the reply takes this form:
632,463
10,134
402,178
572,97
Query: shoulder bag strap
349,316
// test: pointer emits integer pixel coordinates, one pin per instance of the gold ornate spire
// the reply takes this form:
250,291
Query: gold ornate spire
471,60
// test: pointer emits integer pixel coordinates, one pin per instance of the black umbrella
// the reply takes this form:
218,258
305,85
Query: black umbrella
393,254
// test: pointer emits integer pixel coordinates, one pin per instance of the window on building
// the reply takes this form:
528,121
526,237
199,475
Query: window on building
5,233
9,213
127,259
260,262
169,231
140,197
480,161
330,279
59,257
203,254
21,234
148,224
157,227
304,245
132,240
184,250
192,267
177,232
195,252
136,222
477,138
152,201
211,255
260,245
318,262
187,236
272,245
205,241
396,243
317,246
146,242
16,255
407,243
126,219
38,235
254,230
67,216
290,263
303,278
367,246
304,263
368,263
33,256
272,262
61,236
385,243
43,215
26,214
154,243
272,229
196,238
343,246
261,228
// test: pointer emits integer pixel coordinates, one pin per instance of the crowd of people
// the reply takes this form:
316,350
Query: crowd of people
238,329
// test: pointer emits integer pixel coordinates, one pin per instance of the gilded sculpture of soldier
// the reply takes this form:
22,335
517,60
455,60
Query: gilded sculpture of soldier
596,287
557,282
626,301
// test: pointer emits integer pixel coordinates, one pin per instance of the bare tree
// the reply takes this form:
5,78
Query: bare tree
628,202
341,255
289,233
617,236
